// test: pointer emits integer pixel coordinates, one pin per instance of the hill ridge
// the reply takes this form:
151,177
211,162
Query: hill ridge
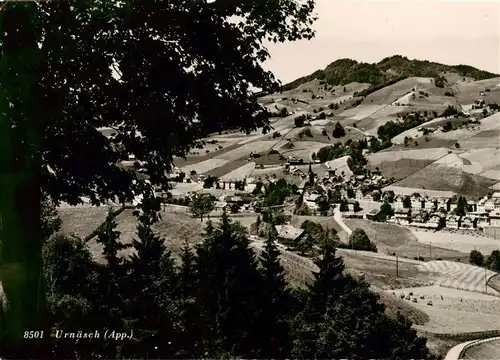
390,69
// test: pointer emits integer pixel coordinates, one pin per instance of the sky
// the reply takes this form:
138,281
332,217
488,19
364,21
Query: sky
449,32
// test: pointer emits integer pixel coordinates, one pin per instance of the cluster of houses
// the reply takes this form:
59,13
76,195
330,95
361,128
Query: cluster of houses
428,212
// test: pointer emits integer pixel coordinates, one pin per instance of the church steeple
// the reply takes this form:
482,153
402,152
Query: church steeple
311,175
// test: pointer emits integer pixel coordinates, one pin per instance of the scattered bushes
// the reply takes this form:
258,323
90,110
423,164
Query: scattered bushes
306,132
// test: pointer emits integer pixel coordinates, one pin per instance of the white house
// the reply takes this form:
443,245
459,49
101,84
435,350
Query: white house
359,195
471,205
452,205
416,202
429,204
481,205
398,203
495,218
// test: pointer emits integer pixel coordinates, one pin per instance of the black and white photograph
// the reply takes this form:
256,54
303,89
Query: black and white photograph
250,179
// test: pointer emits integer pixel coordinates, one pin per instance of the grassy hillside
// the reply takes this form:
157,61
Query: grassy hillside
387,71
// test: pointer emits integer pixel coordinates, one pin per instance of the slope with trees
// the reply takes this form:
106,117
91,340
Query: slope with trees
220,300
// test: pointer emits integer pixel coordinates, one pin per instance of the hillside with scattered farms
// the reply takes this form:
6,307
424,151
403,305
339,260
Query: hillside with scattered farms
395,163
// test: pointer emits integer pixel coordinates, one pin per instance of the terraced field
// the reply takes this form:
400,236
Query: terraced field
460,276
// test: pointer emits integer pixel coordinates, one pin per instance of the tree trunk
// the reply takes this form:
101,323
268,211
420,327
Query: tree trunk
22,310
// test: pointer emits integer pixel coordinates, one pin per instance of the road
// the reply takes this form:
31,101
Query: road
337,215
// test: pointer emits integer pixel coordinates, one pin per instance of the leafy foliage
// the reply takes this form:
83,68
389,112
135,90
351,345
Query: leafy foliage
276,193
219,301
300,120
476,258
202,205
358,240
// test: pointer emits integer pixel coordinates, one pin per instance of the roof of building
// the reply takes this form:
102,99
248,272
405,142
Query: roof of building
288,232
401,210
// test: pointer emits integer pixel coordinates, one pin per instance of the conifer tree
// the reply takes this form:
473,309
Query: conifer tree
229,288
328,281
150,274
111,282
187,307
275,328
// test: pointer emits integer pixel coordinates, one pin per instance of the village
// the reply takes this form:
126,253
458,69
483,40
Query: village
347,196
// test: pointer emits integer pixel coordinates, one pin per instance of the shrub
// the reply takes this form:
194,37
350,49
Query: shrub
358,240
439,81
457,145
476,258
324,133
449,94
306,132
283,112
299,121
276,135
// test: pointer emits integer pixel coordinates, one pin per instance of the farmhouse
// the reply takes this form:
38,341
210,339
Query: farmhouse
416,202
401,216
481,205
398,203
429,204
452,204
471,206
220,206
289,233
